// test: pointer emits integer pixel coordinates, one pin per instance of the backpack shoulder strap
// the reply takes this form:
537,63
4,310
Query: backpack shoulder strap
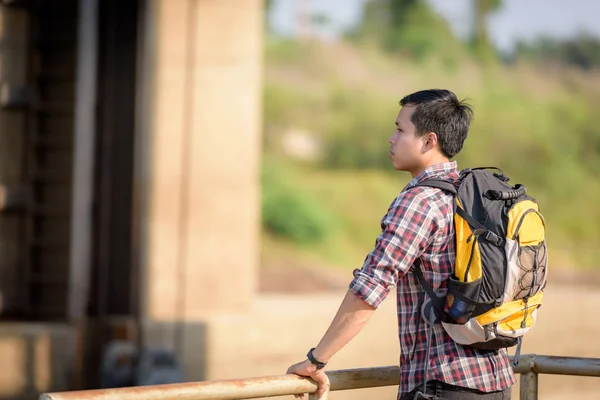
450,188
437,302
441,184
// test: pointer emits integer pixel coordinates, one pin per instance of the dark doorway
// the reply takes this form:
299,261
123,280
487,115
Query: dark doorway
114,287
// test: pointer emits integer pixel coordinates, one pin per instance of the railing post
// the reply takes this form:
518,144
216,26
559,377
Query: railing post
529,386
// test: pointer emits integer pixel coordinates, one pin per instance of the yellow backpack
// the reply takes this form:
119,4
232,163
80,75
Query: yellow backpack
501,262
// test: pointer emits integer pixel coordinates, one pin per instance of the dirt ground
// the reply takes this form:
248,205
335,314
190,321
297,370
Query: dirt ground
568,322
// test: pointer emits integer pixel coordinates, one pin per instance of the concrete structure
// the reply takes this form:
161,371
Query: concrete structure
199,172
203,190
129,159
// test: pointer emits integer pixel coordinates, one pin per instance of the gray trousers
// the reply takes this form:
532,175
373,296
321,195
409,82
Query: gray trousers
442,391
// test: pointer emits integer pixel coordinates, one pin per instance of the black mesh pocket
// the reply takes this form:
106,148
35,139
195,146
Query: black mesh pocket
533,264
462,299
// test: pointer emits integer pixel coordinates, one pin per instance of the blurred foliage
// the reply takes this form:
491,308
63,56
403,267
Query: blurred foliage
582,51
353,122
268,5
290,213
539,126
409,27
480,40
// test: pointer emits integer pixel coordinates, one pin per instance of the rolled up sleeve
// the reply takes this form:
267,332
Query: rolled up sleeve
406,230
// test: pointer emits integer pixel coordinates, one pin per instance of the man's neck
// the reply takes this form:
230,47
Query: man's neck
436,161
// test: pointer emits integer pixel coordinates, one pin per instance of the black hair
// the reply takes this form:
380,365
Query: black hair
441,112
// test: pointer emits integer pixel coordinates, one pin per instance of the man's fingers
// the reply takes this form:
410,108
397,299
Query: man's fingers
322,390
323,381
321,393
321,378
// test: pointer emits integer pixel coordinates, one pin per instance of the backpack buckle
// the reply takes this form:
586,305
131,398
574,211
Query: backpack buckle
490,236
502,177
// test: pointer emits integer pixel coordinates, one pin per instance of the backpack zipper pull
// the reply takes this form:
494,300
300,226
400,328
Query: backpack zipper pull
524,322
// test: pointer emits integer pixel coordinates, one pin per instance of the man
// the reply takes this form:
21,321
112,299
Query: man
431,128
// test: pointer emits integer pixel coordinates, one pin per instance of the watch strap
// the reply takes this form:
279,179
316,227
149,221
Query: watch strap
314,361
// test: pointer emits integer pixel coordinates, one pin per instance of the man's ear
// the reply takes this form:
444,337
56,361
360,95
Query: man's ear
430,141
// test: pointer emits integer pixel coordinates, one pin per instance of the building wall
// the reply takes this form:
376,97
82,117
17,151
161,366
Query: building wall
201,163
36,358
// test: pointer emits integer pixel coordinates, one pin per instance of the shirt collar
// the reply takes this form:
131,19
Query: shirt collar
435,171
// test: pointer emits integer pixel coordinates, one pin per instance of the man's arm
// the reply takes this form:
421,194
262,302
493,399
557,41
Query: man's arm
350,319
405,232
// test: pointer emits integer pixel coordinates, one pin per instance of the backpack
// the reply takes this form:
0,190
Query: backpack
501,262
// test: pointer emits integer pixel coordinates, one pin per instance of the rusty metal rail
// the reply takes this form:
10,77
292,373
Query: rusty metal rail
529,367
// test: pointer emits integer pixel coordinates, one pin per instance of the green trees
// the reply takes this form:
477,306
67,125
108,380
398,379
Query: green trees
408,27
539,125
582,51
482,46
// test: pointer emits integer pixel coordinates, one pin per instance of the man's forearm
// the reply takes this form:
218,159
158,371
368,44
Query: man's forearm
351,317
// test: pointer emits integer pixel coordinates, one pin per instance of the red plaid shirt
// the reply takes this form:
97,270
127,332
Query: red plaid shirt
419,224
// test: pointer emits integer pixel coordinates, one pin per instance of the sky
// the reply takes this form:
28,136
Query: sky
517,20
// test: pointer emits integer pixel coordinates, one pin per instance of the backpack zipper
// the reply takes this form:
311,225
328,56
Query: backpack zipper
471,255
525,310
530,210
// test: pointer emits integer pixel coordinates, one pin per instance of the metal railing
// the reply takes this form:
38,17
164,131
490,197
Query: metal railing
529,367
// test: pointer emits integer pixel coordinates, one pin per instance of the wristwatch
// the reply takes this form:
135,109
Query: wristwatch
314,361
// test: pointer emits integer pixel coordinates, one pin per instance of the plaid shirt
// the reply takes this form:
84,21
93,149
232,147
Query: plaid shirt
419,224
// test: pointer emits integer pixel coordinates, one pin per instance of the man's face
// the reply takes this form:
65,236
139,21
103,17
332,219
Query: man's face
405,146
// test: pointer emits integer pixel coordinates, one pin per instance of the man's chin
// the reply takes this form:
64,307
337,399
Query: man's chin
397,164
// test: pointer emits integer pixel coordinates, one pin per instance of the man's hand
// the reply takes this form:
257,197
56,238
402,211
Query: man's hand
306,368
350,318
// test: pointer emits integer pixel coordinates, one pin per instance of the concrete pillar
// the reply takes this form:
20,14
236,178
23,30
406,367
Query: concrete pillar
201,164
36,358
